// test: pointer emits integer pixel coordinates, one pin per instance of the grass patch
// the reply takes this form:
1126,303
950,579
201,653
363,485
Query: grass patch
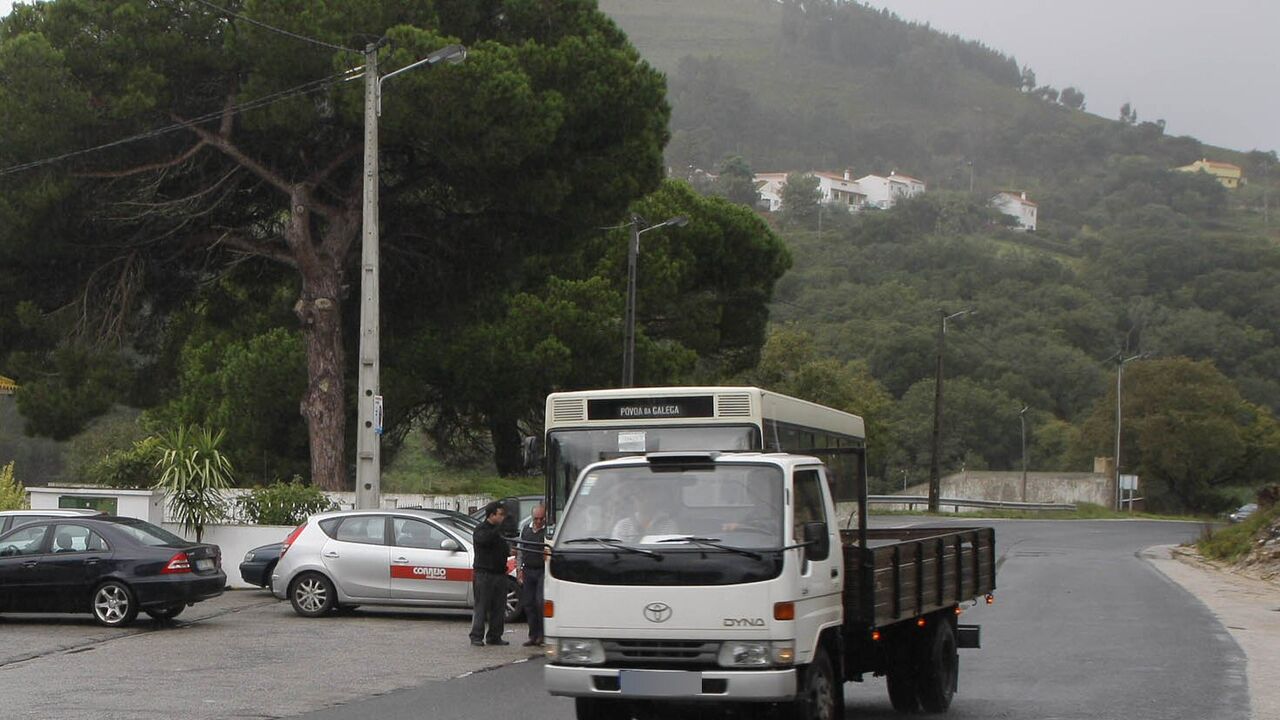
415,470
1233,542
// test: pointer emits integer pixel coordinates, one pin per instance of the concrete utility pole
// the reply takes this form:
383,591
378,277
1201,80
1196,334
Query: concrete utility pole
1119,383
369,401
935,475
629,320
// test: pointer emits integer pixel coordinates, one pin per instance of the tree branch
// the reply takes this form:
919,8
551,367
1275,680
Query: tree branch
144,168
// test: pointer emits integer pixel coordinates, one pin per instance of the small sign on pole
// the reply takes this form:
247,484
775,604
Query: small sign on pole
377,414
1128,482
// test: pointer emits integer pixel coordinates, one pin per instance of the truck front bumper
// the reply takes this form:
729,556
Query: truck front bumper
683,685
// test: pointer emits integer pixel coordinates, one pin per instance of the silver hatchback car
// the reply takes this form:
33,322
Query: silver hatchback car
346,558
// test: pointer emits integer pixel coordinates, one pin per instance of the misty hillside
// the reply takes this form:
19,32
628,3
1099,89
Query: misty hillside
839,85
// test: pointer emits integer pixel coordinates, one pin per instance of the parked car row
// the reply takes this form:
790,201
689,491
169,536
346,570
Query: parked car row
111,567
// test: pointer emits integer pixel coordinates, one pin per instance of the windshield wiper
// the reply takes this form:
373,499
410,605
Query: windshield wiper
616,544
715,543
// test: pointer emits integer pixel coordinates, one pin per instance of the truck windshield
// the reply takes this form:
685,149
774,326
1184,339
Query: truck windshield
568,451
736,504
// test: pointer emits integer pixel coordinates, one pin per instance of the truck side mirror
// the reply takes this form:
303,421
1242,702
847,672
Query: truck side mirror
819,541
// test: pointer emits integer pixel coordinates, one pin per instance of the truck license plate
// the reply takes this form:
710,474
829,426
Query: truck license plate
659,683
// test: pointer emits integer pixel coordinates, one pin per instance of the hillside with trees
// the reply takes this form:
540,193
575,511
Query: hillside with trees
1129,258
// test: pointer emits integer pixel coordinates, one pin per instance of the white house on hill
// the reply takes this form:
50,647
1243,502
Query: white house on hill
1015,204
843,190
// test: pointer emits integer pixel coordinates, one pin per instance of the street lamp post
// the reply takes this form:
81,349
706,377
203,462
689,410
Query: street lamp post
935,476
1022,420
629,322
369,401
1119,383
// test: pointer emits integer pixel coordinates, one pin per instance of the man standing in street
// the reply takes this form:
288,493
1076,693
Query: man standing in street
531,570
490,579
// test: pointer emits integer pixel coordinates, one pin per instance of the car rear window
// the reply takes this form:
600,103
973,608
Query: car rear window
148,534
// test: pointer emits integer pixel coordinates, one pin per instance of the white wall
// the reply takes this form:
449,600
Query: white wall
235,541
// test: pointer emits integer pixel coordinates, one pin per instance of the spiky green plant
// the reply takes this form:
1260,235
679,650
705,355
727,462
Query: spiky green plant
13,496
193,475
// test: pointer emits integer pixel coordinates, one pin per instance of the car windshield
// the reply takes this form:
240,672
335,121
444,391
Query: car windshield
735,504
148,534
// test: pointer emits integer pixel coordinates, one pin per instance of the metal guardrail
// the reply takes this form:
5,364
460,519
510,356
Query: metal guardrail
956,503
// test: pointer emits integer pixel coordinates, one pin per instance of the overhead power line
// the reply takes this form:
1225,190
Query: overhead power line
263,101
275,29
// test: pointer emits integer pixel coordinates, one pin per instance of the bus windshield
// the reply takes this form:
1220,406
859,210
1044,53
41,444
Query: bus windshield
740,505
569,451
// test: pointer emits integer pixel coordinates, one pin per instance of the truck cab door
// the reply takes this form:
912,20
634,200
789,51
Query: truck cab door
821,573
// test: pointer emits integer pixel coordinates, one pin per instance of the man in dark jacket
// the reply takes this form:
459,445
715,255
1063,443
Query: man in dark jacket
532,548
490,577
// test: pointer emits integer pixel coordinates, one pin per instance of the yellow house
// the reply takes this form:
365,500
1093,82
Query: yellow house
1229,175
7,385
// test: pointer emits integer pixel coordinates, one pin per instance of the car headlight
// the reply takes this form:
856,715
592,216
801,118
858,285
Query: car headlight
576,651
756,654
248,557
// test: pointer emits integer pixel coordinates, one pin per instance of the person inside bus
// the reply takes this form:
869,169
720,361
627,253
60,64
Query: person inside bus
649,518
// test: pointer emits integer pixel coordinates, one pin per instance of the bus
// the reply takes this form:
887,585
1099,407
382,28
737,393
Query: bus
586,426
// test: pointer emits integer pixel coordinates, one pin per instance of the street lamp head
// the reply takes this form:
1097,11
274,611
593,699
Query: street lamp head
452,54
678,221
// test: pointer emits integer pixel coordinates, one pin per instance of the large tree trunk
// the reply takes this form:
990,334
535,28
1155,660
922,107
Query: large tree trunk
508,450
324,403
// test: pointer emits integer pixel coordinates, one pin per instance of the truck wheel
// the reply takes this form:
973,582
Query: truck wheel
937,681
902,691
820,696
600,709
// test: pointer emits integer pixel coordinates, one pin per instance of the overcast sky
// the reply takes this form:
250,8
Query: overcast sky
1209,69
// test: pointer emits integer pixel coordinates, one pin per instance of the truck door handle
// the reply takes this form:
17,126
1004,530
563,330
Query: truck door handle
835,572
330,554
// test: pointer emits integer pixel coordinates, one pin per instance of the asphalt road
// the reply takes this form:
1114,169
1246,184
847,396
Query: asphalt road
1083,628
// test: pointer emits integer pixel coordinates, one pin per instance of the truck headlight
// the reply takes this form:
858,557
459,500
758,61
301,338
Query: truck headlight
756,654
576,651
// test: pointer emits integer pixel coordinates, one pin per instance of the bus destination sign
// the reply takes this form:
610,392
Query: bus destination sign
648,408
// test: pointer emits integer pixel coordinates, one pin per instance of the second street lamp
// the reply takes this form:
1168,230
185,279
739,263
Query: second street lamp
935,473
369,399
629,323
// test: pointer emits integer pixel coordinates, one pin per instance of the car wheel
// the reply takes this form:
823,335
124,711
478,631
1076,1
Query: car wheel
113,604
166,614
312,595
513,611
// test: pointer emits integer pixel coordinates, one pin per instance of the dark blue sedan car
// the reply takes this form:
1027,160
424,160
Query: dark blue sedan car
111,567
259,563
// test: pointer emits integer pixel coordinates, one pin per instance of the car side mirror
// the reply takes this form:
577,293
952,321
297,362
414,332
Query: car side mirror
819,541
450,544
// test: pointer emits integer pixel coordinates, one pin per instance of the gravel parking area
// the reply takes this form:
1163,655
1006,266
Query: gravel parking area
242,655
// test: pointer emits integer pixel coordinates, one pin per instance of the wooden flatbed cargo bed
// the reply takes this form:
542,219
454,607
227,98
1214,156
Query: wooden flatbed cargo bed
902,574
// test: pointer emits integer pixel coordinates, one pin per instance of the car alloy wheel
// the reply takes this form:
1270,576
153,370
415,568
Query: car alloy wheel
113,605
312,595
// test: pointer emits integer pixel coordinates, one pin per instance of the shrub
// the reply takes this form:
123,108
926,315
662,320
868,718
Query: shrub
132,468
283,503
193,475
13,496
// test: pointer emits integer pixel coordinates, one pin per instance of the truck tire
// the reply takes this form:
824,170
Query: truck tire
600,709
936,684
820,695
902,691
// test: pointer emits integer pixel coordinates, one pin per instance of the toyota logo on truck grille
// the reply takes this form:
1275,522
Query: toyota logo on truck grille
657,612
